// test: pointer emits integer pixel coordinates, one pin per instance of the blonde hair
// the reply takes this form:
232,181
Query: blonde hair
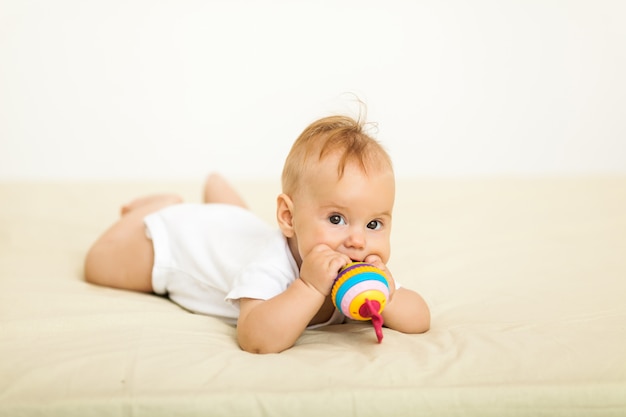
327,136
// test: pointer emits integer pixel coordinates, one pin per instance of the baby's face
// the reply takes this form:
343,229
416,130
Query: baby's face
352,215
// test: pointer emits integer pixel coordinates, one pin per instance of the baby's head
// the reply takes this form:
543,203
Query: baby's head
331,136
338,189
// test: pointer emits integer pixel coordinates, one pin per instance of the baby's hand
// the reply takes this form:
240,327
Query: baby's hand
320,268
378,263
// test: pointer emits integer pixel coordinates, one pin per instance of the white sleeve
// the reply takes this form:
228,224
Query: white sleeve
269,275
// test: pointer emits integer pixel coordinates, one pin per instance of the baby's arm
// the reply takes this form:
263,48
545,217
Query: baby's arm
406,311
269,326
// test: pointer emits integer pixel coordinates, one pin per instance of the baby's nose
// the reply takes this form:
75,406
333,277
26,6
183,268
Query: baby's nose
356,239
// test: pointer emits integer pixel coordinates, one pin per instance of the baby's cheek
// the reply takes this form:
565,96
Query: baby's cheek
382,250
327,239
386,250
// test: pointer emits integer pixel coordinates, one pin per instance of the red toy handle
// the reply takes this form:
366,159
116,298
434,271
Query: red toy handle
370,309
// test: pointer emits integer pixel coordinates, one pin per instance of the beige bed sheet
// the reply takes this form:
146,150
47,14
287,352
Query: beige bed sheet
526,280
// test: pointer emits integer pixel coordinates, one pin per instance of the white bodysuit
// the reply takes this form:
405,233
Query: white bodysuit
208,256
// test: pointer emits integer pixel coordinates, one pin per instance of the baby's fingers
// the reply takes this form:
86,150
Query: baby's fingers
338,261
376,261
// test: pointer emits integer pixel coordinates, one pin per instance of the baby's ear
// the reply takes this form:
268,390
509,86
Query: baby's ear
284,214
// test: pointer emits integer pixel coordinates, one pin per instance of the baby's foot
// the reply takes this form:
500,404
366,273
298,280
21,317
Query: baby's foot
155,199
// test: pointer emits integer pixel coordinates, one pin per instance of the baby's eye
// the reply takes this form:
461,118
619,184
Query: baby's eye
374,225
336,219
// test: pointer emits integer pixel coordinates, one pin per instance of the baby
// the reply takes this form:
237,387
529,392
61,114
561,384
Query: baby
219,259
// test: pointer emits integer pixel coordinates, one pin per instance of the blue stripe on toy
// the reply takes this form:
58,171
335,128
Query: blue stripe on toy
360,277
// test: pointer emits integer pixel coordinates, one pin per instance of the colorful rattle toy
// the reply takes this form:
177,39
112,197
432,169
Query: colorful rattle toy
360,292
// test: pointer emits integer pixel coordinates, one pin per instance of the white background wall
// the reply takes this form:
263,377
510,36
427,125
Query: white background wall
158,89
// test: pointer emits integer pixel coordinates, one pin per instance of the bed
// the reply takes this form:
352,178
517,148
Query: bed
525,278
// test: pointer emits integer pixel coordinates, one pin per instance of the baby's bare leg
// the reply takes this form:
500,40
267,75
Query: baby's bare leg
218,190
123,256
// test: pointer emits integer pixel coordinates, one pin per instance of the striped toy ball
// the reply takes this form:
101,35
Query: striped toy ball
356,283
